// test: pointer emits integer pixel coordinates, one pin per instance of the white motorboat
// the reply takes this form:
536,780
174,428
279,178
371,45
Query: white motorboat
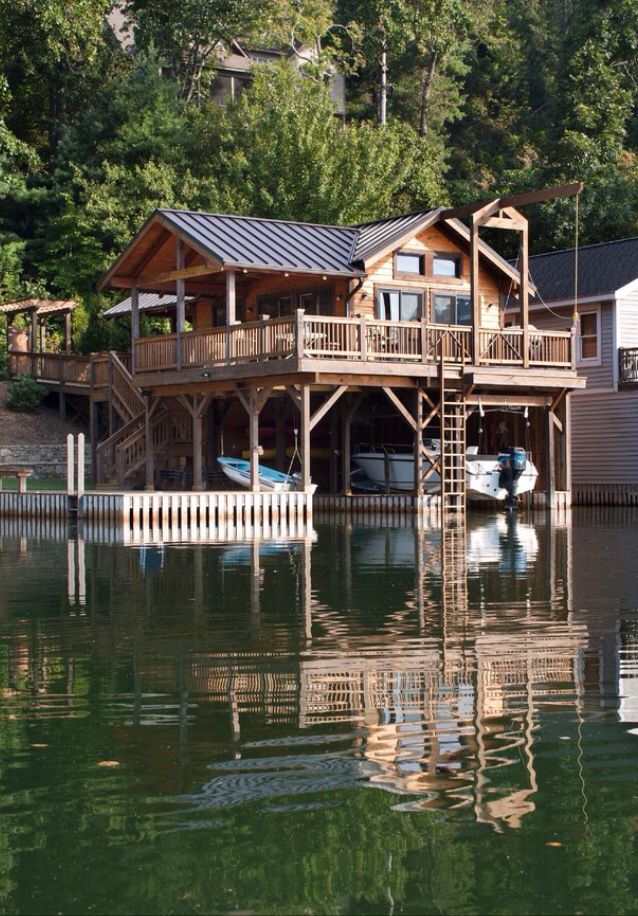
488,477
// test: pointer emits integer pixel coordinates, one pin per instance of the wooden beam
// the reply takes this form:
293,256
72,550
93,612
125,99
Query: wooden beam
253,441
261,397
418,454
509,400
305,436
181,273
402,409
327,404
135,323
497,222
204,403
475,290
231,305
244,400
294,394
198,480
557,423
516,200
146,258
523,294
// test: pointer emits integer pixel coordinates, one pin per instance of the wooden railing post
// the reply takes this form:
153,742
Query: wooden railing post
424,340
363,337
299,334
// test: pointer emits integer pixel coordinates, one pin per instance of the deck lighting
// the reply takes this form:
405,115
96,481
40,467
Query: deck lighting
206,374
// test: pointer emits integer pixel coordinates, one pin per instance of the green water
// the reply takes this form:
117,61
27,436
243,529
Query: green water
380,720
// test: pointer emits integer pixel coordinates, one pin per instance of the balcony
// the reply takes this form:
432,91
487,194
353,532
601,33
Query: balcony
352,341
628,365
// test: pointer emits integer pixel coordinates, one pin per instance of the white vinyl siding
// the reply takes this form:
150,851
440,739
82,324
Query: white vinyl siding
605,437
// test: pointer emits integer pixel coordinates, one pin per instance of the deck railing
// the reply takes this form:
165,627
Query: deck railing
628,365
349,339
56,368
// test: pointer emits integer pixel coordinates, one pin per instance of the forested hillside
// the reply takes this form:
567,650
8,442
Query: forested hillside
447,101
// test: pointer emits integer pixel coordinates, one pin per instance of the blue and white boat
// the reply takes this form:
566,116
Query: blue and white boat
238,470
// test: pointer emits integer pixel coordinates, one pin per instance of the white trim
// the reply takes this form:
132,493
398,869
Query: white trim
614,342
563,303
593,360
627,289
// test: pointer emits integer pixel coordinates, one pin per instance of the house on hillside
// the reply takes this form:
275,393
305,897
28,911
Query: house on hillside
604,415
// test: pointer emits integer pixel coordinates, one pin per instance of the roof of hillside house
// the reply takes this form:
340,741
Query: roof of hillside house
248,243
602,269
40,306
148,302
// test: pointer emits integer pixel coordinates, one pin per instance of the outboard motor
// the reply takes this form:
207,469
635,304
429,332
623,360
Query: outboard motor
512,462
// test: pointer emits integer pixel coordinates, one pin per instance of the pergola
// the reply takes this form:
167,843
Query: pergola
40,311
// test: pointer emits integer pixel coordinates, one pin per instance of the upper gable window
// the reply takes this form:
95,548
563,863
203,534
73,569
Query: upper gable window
446,265
409,262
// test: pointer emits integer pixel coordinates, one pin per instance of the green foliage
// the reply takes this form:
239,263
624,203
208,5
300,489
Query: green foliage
24,394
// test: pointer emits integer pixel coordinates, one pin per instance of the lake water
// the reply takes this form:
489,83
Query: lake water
373,720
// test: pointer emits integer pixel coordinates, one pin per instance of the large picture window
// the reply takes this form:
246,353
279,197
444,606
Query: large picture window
589,338
449,308
399,304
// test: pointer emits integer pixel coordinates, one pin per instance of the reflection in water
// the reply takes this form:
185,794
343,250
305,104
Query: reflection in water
471,679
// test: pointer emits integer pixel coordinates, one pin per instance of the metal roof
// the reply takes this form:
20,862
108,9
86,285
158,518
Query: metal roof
41,306
602,269
147,302
251,242
377,234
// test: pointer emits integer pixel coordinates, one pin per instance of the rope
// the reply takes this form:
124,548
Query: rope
295,454
576,231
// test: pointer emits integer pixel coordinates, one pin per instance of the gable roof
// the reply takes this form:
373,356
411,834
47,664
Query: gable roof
377,234
603,268
148,302
252,242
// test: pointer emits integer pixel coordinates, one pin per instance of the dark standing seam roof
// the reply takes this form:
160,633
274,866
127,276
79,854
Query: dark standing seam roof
602,268
147,301
246,241
375,235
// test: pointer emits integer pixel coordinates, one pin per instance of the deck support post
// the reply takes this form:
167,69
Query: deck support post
334,450
67,332
418,451
198,483
180,310
150,457
34,342
304,414
280,435
549,453
135,325
346,448
231,302
253,437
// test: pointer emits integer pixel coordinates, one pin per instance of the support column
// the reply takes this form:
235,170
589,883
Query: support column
567,444
198,483
334,451
474,287
280,436
34,341
549,457
346,448
524,291
180,308
43,335
231,304
253,436
135,324
304,415
418,451
93,435
150,456
67,332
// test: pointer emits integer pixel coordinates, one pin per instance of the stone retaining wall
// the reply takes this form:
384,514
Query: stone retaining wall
45,460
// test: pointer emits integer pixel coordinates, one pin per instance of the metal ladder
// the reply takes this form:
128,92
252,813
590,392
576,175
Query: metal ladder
452,415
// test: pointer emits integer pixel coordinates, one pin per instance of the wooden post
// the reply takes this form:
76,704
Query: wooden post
474,288
80,465
304,414
198,483
346,448
180,307
299,335
418,451
43,335
280,436
62,404
34,342
67,332
70,465
567,444
150,457
253,437
524,291
231,302
135,327
93,434
549,445
334,450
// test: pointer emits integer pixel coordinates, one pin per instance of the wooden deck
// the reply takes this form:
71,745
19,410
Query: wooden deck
58,370
307,343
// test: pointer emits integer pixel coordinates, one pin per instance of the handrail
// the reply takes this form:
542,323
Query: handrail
124,388
363,339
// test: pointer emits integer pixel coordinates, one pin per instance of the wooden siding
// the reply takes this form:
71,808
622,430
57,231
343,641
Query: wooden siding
430,240
605,437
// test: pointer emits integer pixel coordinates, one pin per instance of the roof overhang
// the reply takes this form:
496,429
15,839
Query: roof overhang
40,306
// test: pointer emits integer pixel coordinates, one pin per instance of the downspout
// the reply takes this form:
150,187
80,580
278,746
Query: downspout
351,292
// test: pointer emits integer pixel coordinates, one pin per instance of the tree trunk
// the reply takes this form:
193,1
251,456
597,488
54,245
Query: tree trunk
383,83
426,91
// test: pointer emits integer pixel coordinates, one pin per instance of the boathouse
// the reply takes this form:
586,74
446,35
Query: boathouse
286,339
604,415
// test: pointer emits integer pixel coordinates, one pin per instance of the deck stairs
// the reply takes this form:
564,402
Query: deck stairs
453,475
121,457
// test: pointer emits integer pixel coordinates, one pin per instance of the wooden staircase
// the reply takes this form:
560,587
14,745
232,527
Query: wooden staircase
121,456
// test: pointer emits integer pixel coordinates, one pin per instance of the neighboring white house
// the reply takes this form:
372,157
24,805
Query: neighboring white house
604,415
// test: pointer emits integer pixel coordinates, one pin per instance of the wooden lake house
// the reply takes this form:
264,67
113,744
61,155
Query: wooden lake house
604,415
294,340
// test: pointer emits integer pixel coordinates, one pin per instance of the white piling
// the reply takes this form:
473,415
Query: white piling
80,465
70,469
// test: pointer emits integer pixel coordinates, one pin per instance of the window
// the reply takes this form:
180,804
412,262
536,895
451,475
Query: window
316,302
218,313
275,306
448,308
446,265
589,334
409,262
399,304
